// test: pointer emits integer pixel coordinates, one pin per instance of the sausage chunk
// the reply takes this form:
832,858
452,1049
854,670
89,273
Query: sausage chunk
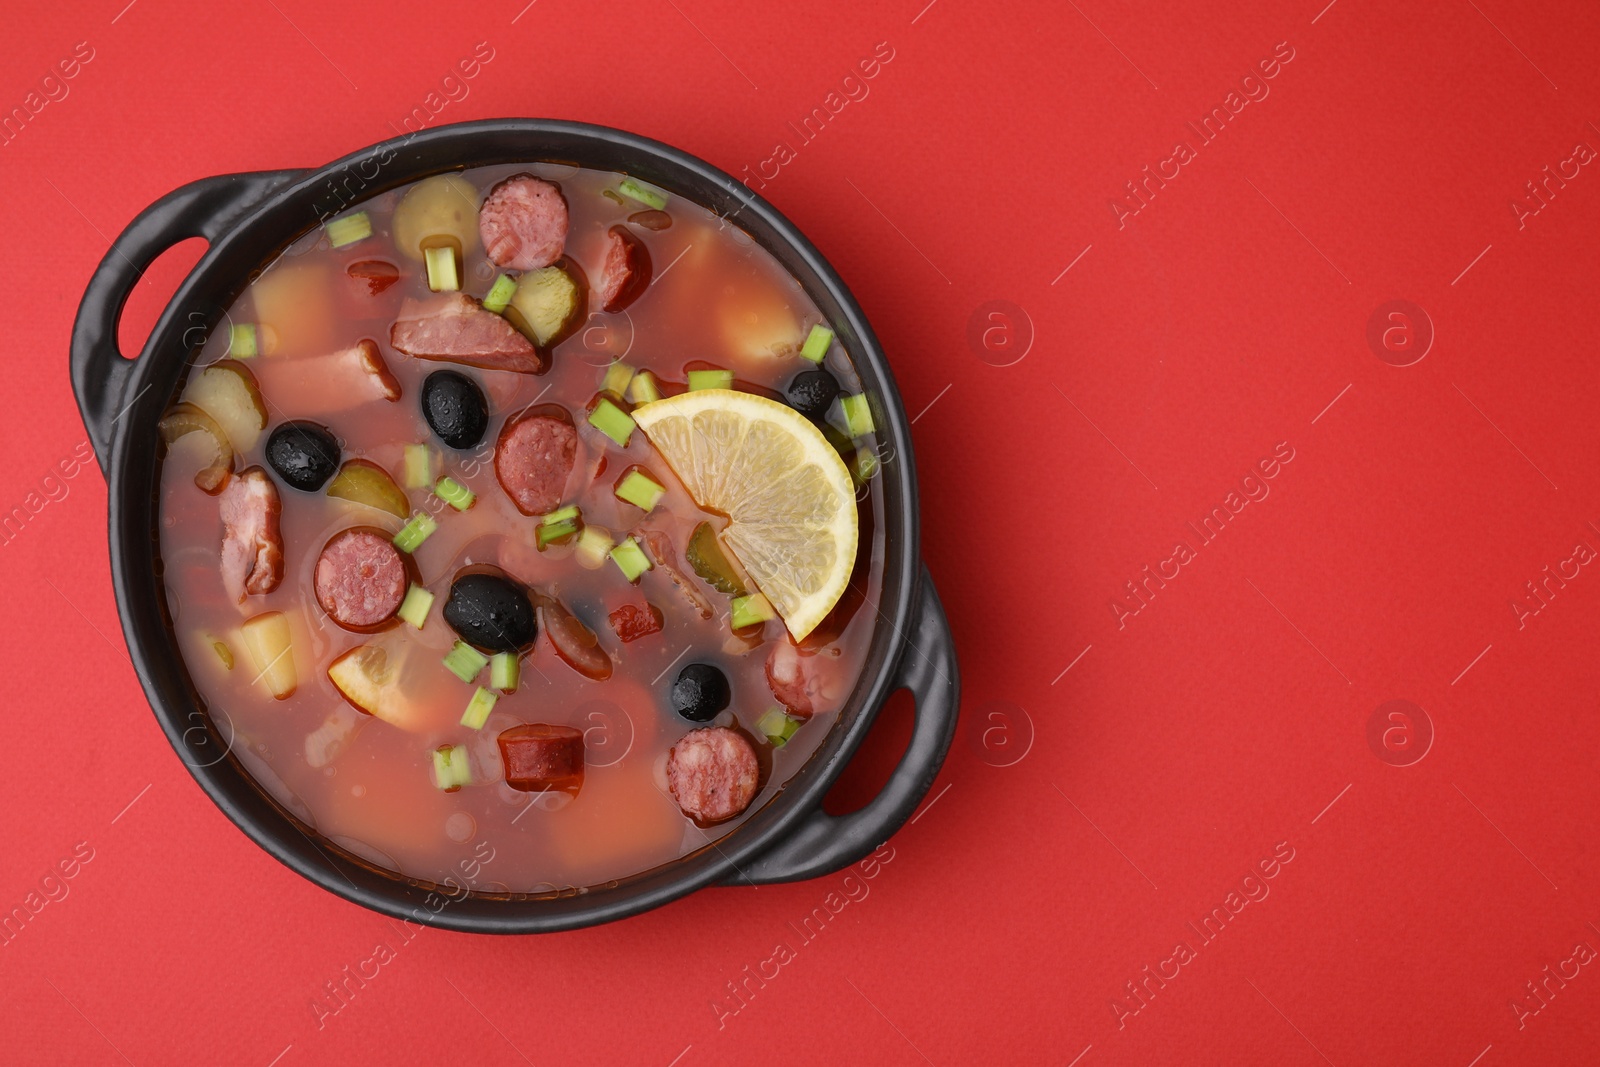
455,328
361,579
523,223
712,774
252,545
626,271
802,682
539,757
533,458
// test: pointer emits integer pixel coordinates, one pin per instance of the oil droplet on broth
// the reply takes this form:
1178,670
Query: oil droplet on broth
460,827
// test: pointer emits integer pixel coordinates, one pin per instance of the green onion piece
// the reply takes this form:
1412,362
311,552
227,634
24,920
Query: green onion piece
642,390
612,421
864,466
594,544
451,770
857,415
242,341
561,515
750,610
443,777
710,379
643,193
349,229
442,276
415,607
505,671
478,708
631,559
464,661
616,379
550,533
777,727
454,493
640,489
818,341
419,466
413,533
499,294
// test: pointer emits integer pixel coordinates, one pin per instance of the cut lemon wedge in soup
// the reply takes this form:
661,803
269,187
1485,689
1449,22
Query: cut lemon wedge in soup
789,500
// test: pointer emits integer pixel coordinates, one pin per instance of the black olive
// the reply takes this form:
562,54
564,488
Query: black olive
700,692
811,393
304,454
455,407
490,613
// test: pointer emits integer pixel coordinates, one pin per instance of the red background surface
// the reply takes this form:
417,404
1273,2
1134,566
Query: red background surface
1085,815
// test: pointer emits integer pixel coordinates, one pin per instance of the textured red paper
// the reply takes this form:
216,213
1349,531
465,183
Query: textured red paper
1087,382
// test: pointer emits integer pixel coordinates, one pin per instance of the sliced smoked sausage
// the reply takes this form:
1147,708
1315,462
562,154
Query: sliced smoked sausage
523,223
252,544
803,682
361,579
626,271
533,458
712,773
454,327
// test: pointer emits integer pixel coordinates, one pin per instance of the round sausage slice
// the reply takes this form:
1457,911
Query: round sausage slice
712,774
533,459
803,682
523,223
360,579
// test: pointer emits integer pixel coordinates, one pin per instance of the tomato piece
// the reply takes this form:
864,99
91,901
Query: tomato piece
632,622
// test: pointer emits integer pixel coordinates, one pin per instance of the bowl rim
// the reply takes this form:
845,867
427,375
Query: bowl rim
153,653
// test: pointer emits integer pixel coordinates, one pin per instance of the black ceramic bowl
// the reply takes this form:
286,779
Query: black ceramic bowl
248,218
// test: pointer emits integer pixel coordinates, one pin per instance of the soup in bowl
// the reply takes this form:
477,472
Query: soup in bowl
533,535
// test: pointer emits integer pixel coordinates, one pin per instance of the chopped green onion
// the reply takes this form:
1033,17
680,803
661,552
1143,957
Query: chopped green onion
612,421
640,489
594,543
442,276
415,607
550,533
505,671
413,533
777,727
349,230
561,515
478,708
419,466
499,294
451,770
857,415
242,341
643,193
616,379
710,379
642,390
818,341
454,493
631,559
750,610
864,466
464,661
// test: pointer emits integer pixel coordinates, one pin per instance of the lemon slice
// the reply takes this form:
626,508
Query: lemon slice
789,500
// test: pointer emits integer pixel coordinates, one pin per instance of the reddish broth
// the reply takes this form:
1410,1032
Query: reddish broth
367,785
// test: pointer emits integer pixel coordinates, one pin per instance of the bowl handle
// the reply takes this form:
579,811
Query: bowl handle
823,843
207,208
